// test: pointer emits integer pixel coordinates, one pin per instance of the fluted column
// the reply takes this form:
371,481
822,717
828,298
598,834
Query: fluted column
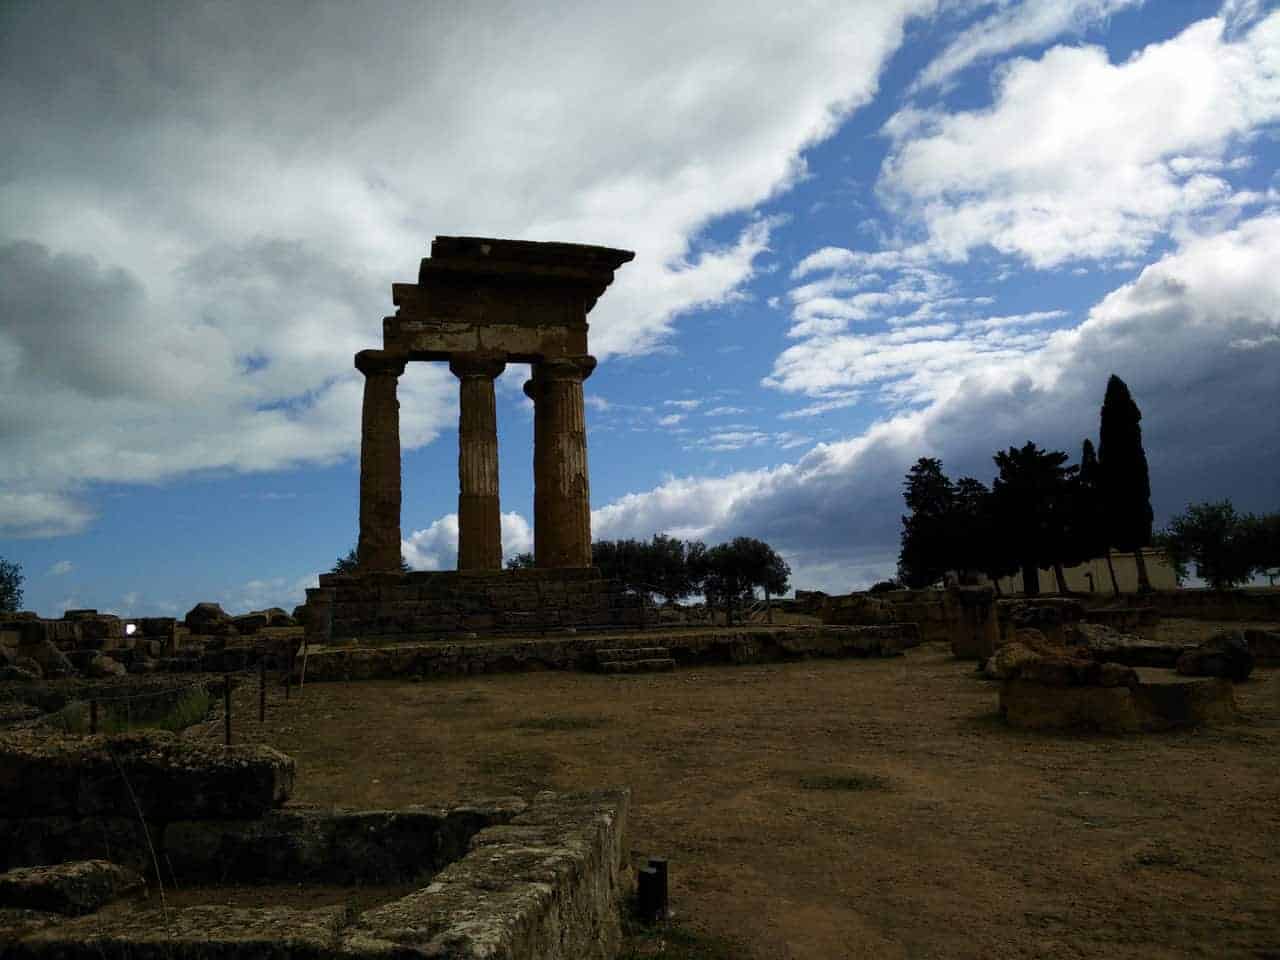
561,492
379,547
479,516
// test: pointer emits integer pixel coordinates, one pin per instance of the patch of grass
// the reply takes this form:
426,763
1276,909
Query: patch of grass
192,707
843,781
560,723
669,941
519,771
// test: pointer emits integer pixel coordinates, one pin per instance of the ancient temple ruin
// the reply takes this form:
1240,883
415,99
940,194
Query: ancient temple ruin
479,304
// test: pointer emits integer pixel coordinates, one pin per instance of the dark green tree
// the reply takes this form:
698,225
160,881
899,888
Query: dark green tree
666,567
1089,522
619,560
925,554
1264,544
1214,537
11,578
1031,499
520,561
1124,480
351,563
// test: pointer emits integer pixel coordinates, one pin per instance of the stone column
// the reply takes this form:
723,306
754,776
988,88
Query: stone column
561,493
379,547
479,517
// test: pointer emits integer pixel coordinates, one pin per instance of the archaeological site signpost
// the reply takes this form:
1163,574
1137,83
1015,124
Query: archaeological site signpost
479,304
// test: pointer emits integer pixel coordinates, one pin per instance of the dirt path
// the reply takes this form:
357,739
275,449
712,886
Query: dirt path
853,808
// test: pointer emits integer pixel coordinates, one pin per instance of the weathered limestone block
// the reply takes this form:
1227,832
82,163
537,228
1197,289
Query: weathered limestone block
21,670
161,627
103,666
1147,706
1050,615
191,933
166,776
976,632
1172,701
1031,705
73,888
1142,621
38,841
548,885
323,846
249,623
1104,643
203,615
101,631
1007,660
1225,655
60,633
53,662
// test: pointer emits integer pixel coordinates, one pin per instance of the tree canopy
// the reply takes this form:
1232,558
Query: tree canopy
951,527
1032,496
11,578
350,563
1226,547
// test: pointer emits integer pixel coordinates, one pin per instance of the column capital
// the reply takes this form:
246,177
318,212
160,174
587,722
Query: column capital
488,365
372,362
573,369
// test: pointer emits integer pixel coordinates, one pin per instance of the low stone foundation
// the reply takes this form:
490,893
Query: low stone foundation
497,879
548,884
1259,605
687,647
422,604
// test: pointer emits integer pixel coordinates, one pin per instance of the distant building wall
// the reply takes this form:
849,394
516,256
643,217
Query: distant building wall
1159,572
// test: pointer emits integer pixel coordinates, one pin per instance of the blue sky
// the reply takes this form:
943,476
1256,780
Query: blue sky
864,233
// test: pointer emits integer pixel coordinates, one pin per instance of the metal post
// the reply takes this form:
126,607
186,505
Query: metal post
262,688
651,889
226,707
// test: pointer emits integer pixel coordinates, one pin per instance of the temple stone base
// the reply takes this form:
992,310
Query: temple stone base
422,605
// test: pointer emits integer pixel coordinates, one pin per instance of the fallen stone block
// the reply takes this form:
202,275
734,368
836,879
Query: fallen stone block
1150,705
74,888
53,662
103,666
1226,655
1105,643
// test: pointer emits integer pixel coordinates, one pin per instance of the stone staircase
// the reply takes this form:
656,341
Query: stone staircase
635,660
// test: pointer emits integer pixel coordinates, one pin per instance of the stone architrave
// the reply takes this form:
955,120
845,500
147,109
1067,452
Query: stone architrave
379,546
561,491
479,515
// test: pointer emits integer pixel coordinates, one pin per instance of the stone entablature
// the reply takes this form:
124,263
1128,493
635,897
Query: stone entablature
479,304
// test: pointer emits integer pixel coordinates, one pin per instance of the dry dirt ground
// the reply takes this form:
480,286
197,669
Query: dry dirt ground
846,808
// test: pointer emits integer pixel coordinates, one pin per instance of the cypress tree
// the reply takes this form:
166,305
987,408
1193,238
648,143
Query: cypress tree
1124,479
